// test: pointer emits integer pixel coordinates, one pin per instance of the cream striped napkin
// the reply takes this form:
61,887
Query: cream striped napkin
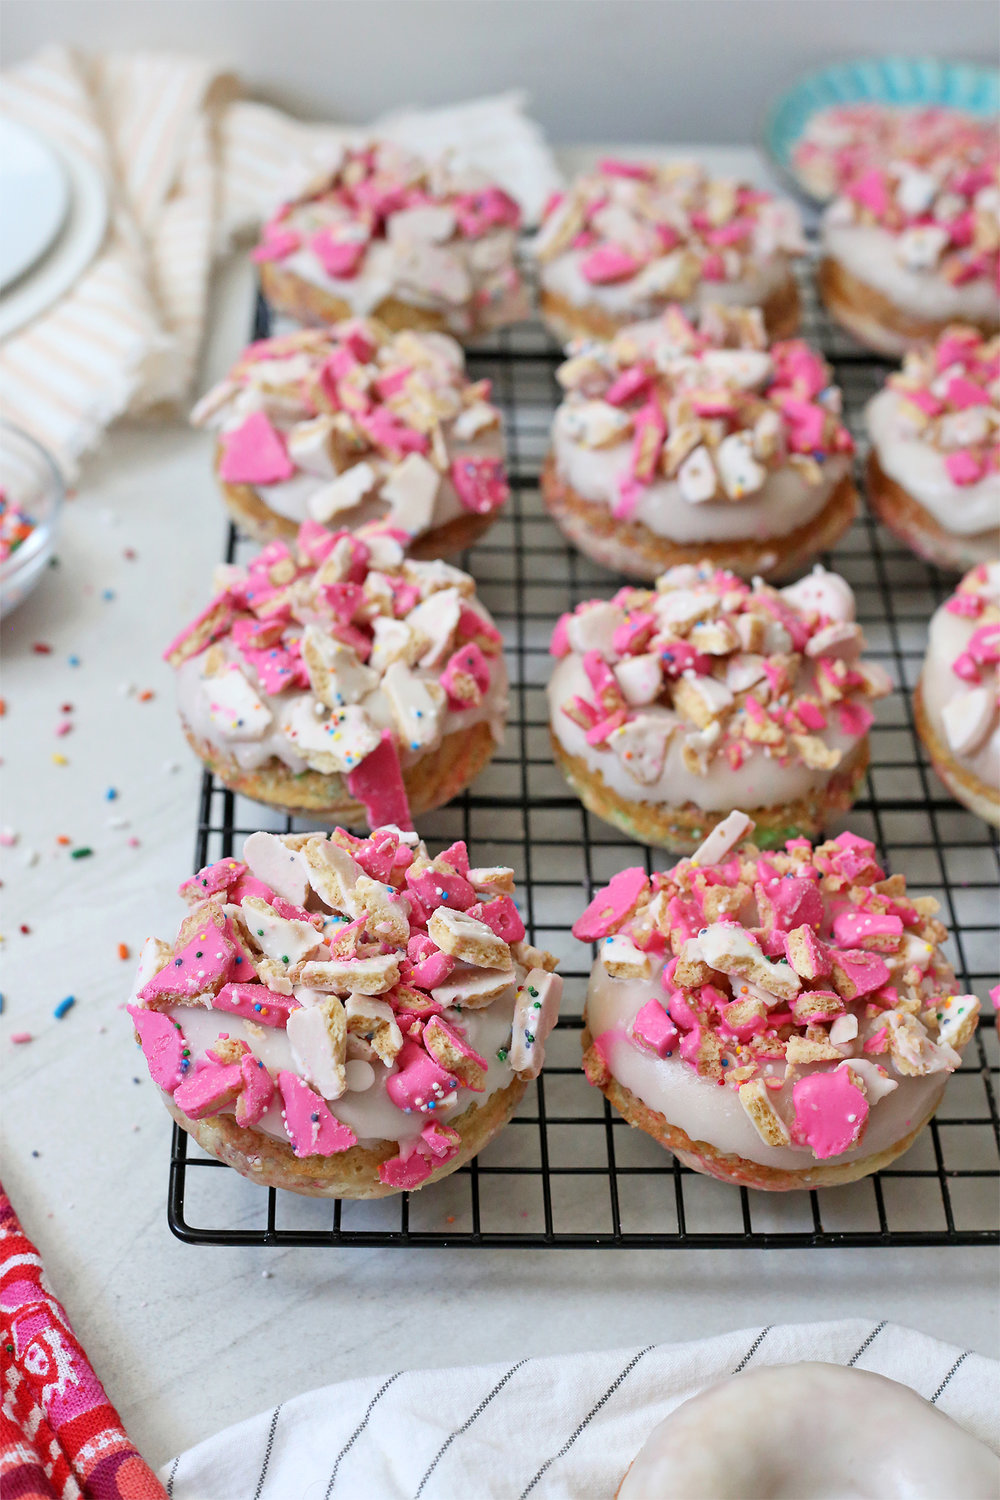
188,166
564,1428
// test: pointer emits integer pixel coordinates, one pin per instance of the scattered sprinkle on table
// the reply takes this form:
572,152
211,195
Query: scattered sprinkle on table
8,838
108,594
40,648
111,794
3,707
25,928
64,726
64,1006
146,694
20,1037
59,760
63,838
74,661
123,952
84,852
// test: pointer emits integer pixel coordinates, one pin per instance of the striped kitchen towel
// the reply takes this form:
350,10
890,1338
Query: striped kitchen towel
564,1428
188,165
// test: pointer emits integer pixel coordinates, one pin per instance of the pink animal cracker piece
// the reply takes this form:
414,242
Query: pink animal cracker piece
340,257
964,467
311,1127
442,1141
500,914
257,1092
255,1002
861,927
406,1172
200,968
420,1084
255,453
857,972
466,677
653,1030
277,668
609,263
164,1047
480,483
788,902
830,1111
209,1088
436,887
453,1053
377,783
612,906
431,970
213,878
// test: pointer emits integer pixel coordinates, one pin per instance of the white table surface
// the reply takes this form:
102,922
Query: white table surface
189,1339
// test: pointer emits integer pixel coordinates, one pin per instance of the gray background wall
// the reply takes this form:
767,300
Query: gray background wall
625,70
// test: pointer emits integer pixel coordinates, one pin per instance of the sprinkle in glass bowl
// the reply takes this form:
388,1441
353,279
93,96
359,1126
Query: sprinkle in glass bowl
31,496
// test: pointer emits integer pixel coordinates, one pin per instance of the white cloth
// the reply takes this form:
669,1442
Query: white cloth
564,1428
188,165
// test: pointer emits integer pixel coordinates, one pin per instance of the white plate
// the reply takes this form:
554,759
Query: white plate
34,199
67,259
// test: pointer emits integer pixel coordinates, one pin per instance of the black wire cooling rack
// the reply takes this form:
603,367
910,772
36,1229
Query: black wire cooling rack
568,1172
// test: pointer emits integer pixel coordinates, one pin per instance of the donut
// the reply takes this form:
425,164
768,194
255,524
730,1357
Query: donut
351,424
955,704
909,247
628,238
777,1021
840,143
419,244
810,1431
337,677
345,1017
670,706
675,443
934,466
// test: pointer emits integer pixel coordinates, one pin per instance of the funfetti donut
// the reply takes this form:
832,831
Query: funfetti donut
336,676
778,1021
629,238
839,144
956,702
345,1017
670,706
810,1432
418,244
909,247
675,443
350,424
934,466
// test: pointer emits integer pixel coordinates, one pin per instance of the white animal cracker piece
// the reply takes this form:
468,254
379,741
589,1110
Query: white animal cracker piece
342,493
335,671
317,1036
234,705
734,829
286,940
269,858
333,875
468,939
536,1010
416,705
368,976
411,491
337,743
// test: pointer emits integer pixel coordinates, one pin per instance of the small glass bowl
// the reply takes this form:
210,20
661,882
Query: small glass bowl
32,482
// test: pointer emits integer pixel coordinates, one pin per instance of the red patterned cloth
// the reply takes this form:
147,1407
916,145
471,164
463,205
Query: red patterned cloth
60,1437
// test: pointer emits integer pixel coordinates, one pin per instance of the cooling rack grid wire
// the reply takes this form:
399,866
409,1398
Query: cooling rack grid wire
568,1172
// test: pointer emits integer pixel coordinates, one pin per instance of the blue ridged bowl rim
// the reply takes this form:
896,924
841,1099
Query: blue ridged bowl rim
913,81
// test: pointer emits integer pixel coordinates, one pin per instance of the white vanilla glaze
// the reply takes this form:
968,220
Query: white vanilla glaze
762,780
194,697
785,501
380,276
290,497
712,1113
810,1432
939,685
868,252
642,295
370,1113
964,509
